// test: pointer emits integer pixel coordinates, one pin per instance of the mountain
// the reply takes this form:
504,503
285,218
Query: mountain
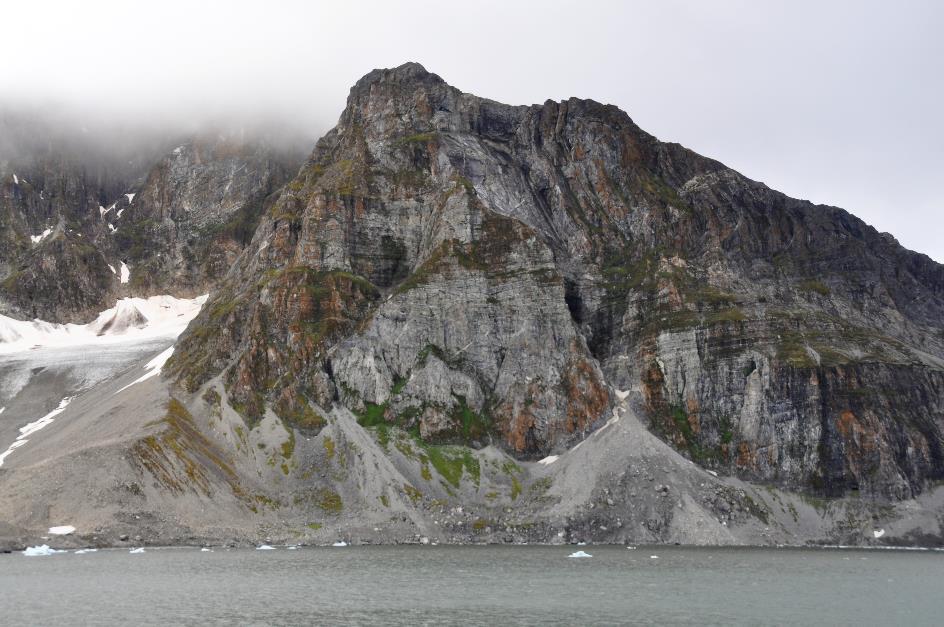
72,212
467,321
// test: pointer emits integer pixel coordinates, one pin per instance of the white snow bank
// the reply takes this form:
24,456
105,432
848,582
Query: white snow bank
111,227
154,367
137,551
64,530
130,320
38,238
580,554
340,543
125,272
878,533
265,547
550,459
33,427
34,551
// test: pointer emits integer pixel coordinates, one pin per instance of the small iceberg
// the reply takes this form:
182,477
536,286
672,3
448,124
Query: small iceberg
84,551
62,531
631,548
265,547
34,551
340,543
206,550
292,548
580,554
137,551
653,557
581,544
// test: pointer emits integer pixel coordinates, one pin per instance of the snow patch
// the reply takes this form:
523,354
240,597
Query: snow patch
112,268
340,543
878,533
125,272
653,557
34,551
64,530
16,181
38,238
130,320
154,366
550,459
130,198
33,427
580,554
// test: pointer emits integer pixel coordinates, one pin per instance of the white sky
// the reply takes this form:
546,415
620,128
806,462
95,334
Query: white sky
838,102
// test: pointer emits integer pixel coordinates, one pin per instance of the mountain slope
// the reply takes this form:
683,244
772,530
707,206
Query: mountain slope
484,273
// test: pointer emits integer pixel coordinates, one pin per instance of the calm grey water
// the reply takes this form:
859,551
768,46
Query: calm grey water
475,585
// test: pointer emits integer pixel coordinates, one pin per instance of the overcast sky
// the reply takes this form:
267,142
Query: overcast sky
836,102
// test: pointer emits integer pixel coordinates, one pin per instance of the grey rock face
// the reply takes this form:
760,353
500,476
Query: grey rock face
519,262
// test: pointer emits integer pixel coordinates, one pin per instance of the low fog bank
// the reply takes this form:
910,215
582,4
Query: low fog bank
51,131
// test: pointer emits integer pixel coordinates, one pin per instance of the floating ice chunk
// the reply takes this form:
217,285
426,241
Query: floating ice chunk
130,198
292,548
265,547
2,409
340,543
653,557
34,551
631,548
38,238
550,459
84,551
154,367
206,550
64,530
580,554
125,272
137,551
878,533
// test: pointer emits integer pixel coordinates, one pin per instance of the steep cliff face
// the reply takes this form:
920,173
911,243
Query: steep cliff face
74,216
476,272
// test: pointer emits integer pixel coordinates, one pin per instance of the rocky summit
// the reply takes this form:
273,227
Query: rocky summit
464,321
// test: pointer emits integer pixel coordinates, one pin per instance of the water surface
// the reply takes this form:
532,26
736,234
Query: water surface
491,585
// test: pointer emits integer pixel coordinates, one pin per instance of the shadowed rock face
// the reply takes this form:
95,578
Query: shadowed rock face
486,273
177,216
